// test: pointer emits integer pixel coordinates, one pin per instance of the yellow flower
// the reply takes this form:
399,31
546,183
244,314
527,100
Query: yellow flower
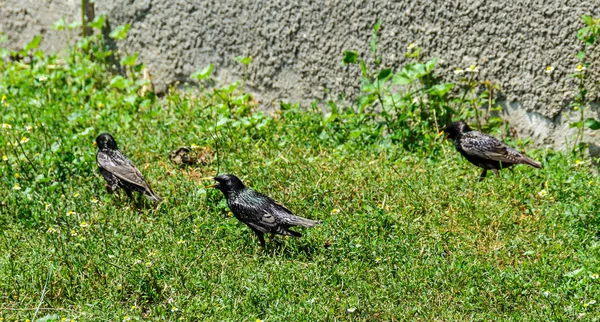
594,276
51,230
3,98
16,187
83,224
580,68
335,211
181,241
174,309
542,193
6,126
47,206
549,69
24,140
73,232
94,200
4,158
70,213
17,175
458,71
578,162
100,105
259,320
411,45
76,195
351,310
6,104
193,146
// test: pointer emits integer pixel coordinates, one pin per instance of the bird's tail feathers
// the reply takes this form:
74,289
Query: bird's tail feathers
531,162
299,221
151,195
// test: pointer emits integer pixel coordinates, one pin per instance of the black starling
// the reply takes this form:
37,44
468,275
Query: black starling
118,170
485,151
261,213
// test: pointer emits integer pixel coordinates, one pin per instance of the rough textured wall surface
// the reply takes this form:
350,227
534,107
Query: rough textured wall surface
297,45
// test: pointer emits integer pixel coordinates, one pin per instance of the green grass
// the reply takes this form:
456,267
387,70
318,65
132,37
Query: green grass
405,235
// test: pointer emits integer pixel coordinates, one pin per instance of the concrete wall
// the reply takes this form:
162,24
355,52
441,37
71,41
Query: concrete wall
297,45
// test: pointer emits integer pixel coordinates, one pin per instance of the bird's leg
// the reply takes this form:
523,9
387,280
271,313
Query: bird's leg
128,192
483,174
496,172
261,237
109,189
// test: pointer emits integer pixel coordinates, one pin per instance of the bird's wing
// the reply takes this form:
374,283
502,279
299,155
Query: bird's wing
487,147
254,209
119,165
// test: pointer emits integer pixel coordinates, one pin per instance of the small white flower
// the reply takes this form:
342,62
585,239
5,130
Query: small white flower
351,310
84,224
51,230
472,69
17,187
458,71
28,128
174,309
24,140
411,46
6,126
546,293
335,211
549,70
594,276
542,193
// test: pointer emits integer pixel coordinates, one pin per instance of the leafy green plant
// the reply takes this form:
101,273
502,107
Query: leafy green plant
588,35
412,102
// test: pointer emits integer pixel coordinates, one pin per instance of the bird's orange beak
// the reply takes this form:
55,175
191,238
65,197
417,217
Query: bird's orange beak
209,178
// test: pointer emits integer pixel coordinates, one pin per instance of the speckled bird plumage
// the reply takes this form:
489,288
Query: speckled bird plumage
261,213
118,170
484,150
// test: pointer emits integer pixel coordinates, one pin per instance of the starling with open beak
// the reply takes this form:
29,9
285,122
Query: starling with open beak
118,170
261,213
485,151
